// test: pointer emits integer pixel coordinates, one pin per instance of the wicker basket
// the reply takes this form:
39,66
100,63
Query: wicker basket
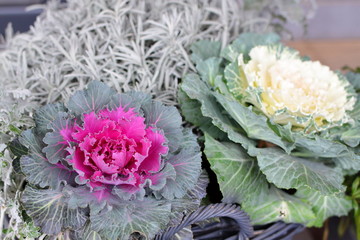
234,224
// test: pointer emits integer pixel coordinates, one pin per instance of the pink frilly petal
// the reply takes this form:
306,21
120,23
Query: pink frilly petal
115,148
114,179
92,124
77,163
102,165
132,126
153,161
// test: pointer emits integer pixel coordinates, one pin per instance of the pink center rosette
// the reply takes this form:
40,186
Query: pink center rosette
115,148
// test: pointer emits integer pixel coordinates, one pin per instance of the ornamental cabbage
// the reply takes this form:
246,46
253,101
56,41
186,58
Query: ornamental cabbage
281,132
291,89
109,166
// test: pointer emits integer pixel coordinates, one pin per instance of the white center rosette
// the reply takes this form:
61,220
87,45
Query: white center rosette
290,90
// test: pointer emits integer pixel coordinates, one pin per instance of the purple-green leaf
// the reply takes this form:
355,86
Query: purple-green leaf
46,115
49,210
40,172
119,219
94,98
58,139
187,165
166,118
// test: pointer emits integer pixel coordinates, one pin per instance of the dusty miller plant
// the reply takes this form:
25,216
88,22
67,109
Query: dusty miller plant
130,45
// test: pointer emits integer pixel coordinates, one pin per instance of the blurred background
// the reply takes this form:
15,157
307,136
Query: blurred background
333,34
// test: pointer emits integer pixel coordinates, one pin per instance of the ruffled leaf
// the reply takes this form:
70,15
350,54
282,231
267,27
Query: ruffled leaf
40,172
236,80
198,90
94,98
48,208
254,125
324,206
331,150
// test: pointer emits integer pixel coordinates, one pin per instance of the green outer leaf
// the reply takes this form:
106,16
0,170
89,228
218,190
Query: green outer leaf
238,174
17,148
254,125
120,219
204,49
349,163
236,81
46,115
49,210
319,147
351,137
324,206
355,113
291,172
40,172
94,98
245,42
209,69
241,181
190,109
354,79
196,89
277,205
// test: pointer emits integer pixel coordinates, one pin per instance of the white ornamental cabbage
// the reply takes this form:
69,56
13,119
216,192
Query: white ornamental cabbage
290,90
281,132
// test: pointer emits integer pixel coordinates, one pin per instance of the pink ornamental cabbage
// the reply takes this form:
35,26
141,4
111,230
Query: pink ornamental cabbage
115,147
110,164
